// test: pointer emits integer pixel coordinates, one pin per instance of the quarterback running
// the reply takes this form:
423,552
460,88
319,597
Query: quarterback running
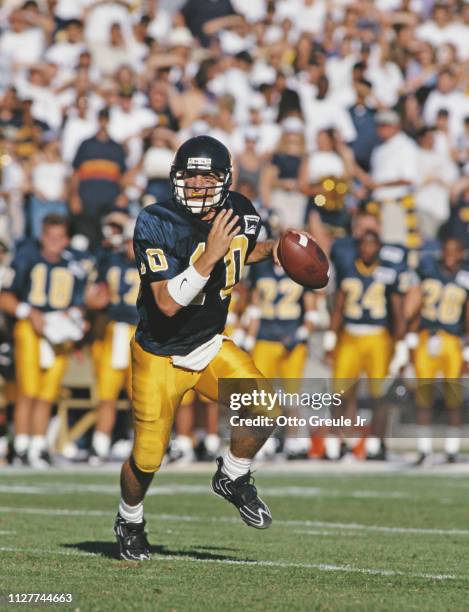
190,252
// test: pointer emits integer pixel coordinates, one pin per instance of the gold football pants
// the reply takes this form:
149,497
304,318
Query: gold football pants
32,380
158,388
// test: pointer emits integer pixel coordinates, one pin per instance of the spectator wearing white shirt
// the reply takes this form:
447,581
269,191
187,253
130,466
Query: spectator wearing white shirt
116,52
37,87
156,163
324,112
80,124
309,16
24,43
447,96
394,169
442,29
436,174
324,178
268,133
48,184
128,124
385,76
65,53
279,184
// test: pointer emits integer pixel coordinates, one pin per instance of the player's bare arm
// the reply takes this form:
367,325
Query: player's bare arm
268,249
330,337
399,323
412,303
264,250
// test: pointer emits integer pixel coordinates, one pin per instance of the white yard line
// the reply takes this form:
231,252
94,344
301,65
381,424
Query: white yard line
106,489
185,518
398,467
323,567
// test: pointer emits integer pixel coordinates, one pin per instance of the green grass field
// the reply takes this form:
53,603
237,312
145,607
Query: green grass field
339,542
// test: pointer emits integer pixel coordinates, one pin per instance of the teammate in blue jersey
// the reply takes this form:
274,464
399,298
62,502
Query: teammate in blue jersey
118,274
367,317
44,291
190,253
438,336
282,317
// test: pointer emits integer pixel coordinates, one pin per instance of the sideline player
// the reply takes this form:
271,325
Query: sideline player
116,270
190,252
44,292
371,280
282,317
441,304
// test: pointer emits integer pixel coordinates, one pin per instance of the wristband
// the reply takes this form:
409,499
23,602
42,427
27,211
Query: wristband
329,341
302,333
184,287
238,337
312,316
22,310
253,313
412,340
249,342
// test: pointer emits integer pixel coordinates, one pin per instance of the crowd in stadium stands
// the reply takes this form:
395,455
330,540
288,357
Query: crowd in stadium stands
344,117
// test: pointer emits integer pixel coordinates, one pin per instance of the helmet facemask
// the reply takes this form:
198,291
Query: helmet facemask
199,200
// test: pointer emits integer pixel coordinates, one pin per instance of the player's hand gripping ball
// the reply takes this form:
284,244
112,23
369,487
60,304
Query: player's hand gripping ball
303,260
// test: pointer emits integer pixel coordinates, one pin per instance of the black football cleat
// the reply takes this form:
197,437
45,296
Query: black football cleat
243,494
132,540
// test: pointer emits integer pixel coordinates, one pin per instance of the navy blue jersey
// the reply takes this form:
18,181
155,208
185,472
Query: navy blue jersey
367,290
280,301
121,275
167,240
444,296
46,286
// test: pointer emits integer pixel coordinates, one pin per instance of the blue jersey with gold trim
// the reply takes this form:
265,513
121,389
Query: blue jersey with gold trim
367,290
167,240
46,286
444,296
121,275
280,301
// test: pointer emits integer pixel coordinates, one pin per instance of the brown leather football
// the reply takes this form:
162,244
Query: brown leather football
303,260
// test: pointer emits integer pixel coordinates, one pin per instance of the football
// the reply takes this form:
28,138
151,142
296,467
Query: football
303,260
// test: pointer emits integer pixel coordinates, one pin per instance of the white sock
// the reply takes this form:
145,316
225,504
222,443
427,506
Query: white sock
373,445
21,443
234,467
453,440
424,441
37,445
184,444
332,445
212,443
101,443
132,514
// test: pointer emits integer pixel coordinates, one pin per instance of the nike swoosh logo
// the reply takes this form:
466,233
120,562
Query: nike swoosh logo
184,280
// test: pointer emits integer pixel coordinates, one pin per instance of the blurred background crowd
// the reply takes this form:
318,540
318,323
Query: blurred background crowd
329,108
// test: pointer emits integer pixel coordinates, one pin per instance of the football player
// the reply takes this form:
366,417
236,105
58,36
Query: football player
371,281
440,348
44,292
190,253
282,316
117,271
